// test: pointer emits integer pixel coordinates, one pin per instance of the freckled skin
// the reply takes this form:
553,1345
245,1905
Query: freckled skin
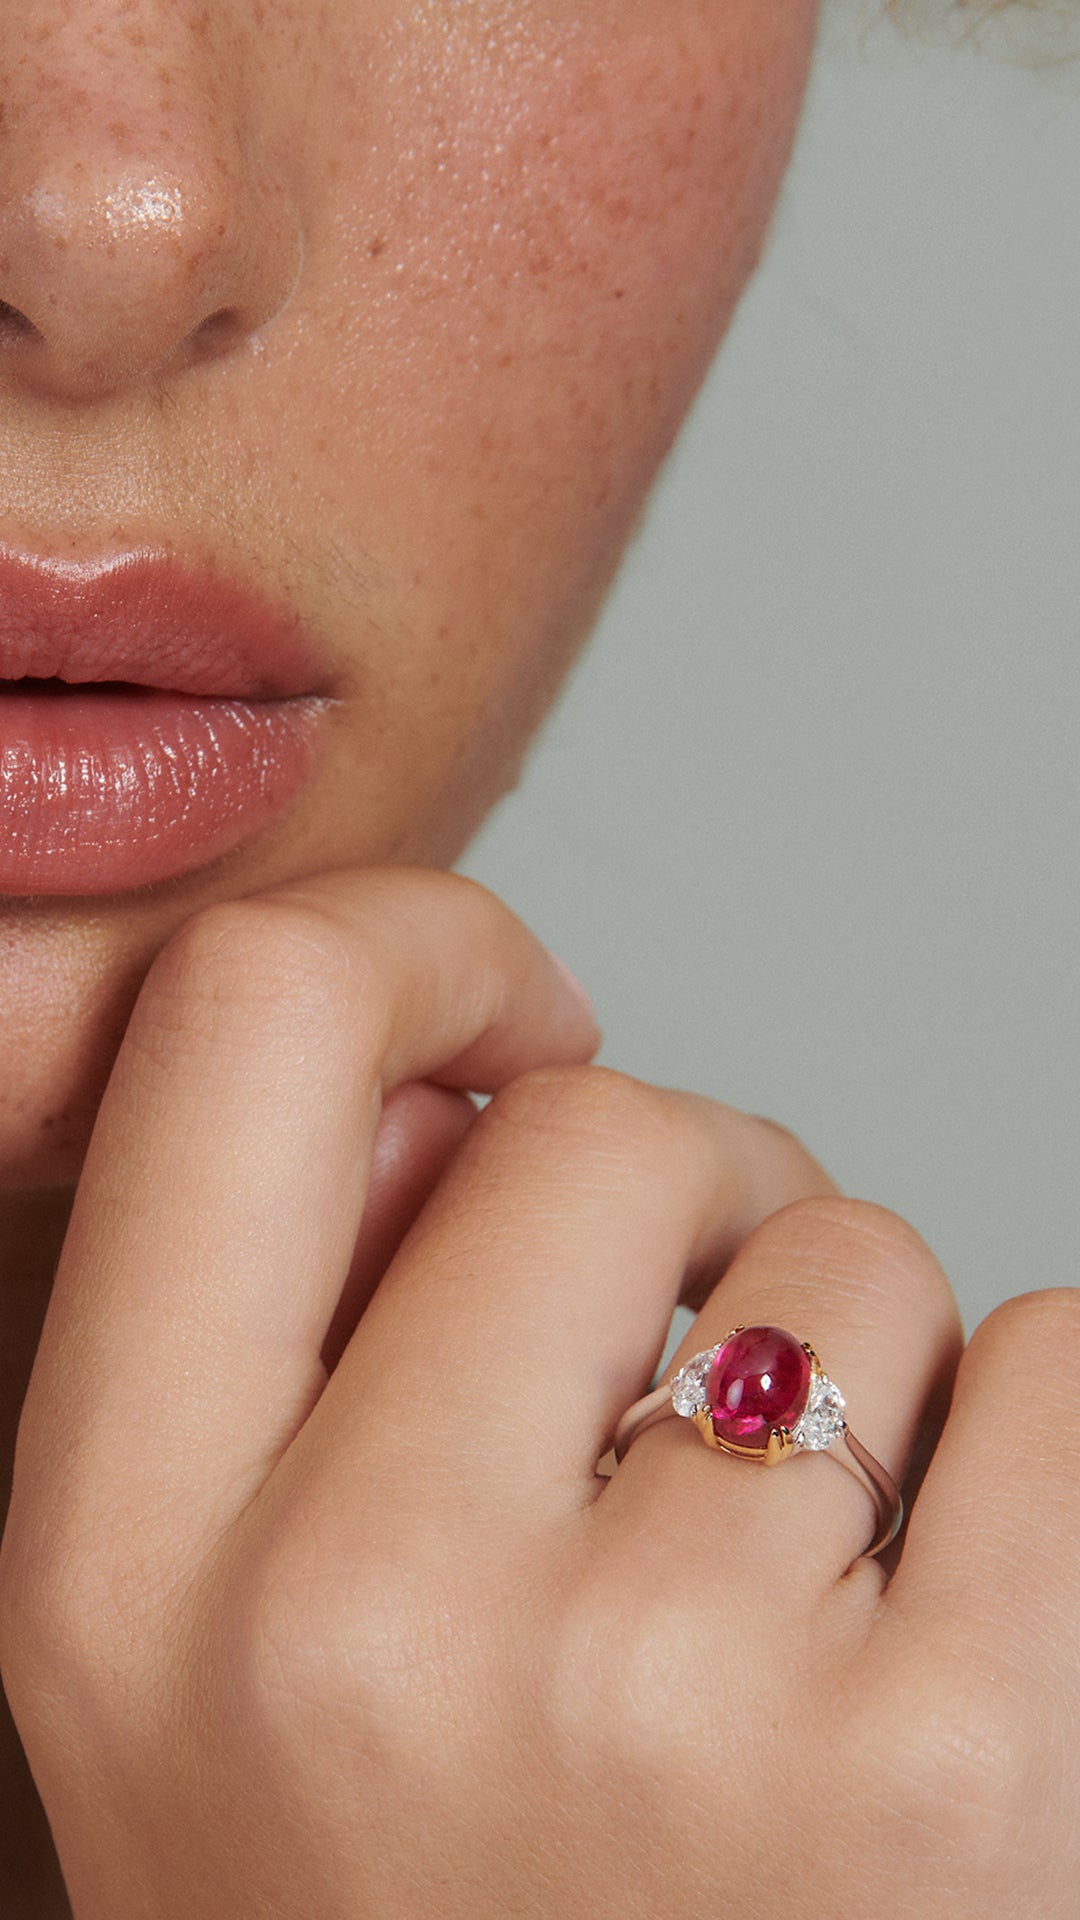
390,308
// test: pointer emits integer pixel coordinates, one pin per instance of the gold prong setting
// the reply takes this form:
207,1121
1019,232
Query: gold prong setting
781,1443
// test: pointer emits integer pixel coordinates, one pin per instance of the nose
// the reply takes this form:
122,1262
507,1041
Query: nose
143,228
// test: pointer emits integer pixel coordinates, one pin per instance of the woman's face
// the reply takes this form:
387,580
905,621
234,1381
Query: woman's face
384,312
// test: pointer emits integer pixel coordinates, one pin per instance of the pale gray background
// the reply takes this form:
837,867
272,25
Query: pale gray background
806,821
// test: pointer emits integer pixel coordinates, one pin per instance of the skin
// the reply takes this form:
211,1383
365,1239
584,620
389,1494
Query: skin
520,232
298,1612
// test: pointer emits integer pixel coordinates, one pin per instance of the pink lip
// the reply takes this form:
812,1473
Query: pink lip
205,724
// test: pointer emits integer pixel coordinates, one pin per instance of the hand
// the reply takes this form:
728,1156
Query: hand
312,1602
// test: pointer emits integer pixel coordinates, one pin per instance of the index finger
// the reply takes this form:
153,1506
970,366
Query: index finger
225,1181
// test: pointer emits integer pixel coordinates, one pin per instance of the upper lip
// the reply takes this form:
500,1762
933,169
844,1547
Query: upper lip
145,618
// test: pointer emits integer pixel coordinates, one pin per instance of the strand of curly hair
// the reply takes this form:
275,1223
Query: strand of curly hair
1039,32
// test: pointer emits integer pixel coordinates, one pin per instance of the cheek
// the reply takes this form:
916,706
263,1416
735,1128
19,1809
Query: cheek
540,237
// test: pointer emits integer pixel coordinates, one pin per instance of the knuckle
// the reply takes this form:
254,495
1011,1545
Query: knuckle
48,1593
954,1779
72,1635
828,1218
281,960
589,1107
786,1134
311,1636
862,1246
1046,1320
618,1648
1030,1346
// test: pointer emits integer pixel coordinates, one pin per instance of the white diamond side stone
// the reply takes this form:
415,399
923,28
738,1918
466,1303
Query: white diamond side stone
688,1386
822,1420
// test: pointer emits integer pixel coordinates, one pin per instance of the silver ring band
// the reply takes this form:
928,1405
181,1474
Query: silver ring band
820,1426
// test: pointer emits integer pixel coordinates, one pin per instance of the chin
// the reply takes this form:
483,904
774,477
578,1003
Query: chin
40,1149
69,976
49,1105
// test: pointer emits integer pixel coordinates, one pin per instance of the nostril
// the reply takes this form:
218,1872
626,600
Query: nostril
218,333
15,325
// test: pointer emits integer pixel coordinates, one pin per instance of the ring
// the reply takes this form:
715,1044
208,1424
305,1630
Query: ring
765,1395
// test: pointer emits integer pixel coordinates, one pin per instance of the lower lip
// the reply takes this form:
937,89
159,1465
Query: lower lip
117,788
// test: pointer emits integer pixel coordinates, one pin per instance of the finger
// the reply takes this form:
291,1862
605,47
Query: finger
419,1129
861,1286
538,1284
219,1206
990,1571
602,1200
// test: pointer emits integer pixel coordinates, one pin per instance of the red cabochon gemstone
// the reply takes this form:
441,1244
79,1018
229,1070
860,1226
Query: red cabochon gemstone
759,1379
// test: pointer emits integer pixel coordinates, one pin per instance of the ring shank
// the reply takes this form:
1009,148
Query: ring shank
856,1458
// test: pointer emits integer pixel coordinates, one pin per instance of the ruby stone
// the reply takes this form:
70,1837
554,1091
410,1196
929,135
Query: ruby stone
760,1379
